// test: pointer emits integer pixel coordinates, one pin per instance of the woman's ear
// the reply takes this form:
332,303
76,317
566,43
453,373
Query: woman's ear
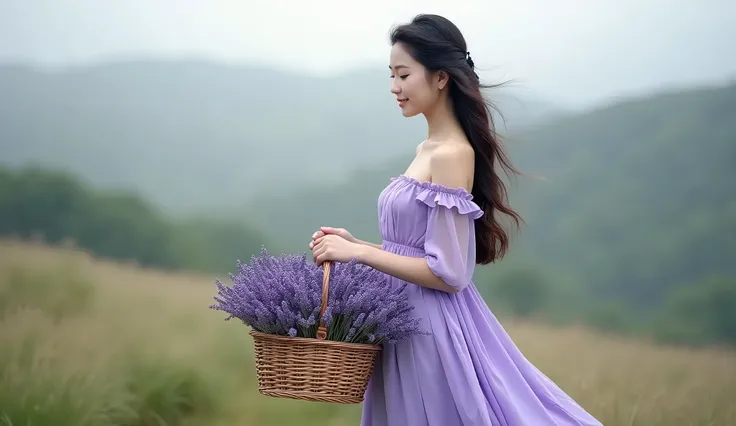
442,79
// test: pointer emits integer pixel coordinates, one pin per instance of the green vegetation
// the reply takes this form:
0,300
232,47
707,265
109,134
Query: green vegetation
59,209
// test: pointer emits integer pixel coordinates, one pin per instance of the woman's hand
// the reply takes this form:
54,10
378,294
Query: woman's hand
335,248
336,244
326,230
341,232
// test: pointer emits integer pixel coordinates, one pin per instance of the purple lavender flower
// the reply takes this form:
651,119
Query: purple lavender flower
282,295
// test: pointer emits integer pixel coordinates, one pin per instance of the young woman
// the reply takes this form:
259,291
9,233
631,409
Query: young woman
438,220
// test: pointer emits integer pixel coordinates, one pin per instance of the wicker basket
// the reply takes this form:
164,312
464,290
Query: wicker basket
313,369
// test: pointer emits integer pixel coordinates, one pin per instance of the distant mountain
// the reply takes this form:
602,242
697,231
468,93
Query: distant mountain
641,195
198,136
634,199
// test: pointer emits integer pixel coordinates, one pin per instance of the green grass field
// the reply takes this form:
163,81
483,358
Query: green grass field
87,342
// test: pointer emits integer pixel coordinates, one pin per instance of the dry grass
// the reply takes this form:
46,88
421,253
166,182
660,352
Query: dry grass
122,346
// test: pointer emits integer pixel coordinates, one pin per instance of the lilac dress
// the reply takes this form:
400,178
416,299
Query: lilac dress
468,371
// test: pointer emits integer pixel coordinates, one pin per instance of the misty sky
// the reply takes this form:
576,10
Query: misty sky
569,51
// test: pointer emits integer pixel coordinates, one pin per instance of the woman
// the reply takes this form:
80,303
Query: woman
437,221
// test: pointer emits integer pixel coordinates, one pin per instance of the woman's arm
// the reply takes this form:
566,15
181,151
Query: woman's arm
369,244
411,269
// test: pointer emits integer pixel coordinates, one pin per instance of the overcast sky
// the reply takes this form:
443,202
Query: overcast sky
571,51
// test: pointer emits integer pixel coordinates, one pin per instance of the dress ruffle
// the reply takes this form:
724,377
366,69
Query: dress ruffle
434,194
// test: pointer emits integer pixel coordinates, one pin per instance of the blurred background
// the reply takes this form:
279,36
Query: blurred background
146,146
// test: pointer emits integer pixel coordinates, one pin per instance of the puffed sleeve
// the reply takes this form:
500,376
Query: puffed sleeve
449,243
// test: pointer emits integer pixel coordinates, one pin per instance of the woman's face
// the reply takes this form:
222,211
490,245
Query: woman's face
415,91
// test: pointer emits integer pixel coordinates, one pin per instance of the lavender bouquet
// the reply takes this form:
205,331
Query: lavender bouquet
282,295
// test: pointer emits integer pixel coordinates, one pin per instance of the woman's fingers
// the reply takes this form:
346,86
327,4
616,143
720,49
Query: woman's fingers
315,237
318,254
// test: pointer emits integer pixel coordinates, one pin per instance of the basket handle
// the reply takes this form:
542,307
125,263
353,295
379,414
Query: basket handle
322,329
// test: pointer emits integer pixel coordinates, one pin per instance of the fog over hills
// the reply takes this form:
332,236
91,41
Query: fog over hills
199,135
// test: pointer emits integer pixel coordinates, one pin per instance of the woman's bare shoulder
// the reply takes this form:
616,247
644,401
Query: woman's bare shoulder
453,165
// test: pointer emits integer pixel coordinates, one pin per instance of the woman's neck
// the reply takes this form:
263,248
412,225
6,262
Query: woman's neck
441,123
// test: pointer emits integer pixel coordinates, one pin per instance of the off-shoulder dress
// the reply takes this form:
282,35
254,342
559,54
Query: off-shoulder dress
467,371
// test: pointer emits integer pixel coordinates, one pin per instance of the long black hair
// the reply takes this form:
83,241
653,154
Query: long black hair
438,45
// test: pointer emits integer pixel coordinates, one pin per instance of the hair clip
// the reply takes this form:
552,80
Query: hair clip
469,60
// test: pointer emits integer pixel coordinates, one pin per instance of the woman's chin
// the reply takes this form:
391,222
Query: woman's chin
408,112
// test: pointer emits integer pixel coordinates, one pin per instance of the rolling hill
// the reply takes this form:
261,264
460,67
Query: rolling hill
198,136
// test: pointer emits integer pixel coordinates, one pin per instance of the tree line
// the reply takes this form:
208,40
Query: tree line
56,207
